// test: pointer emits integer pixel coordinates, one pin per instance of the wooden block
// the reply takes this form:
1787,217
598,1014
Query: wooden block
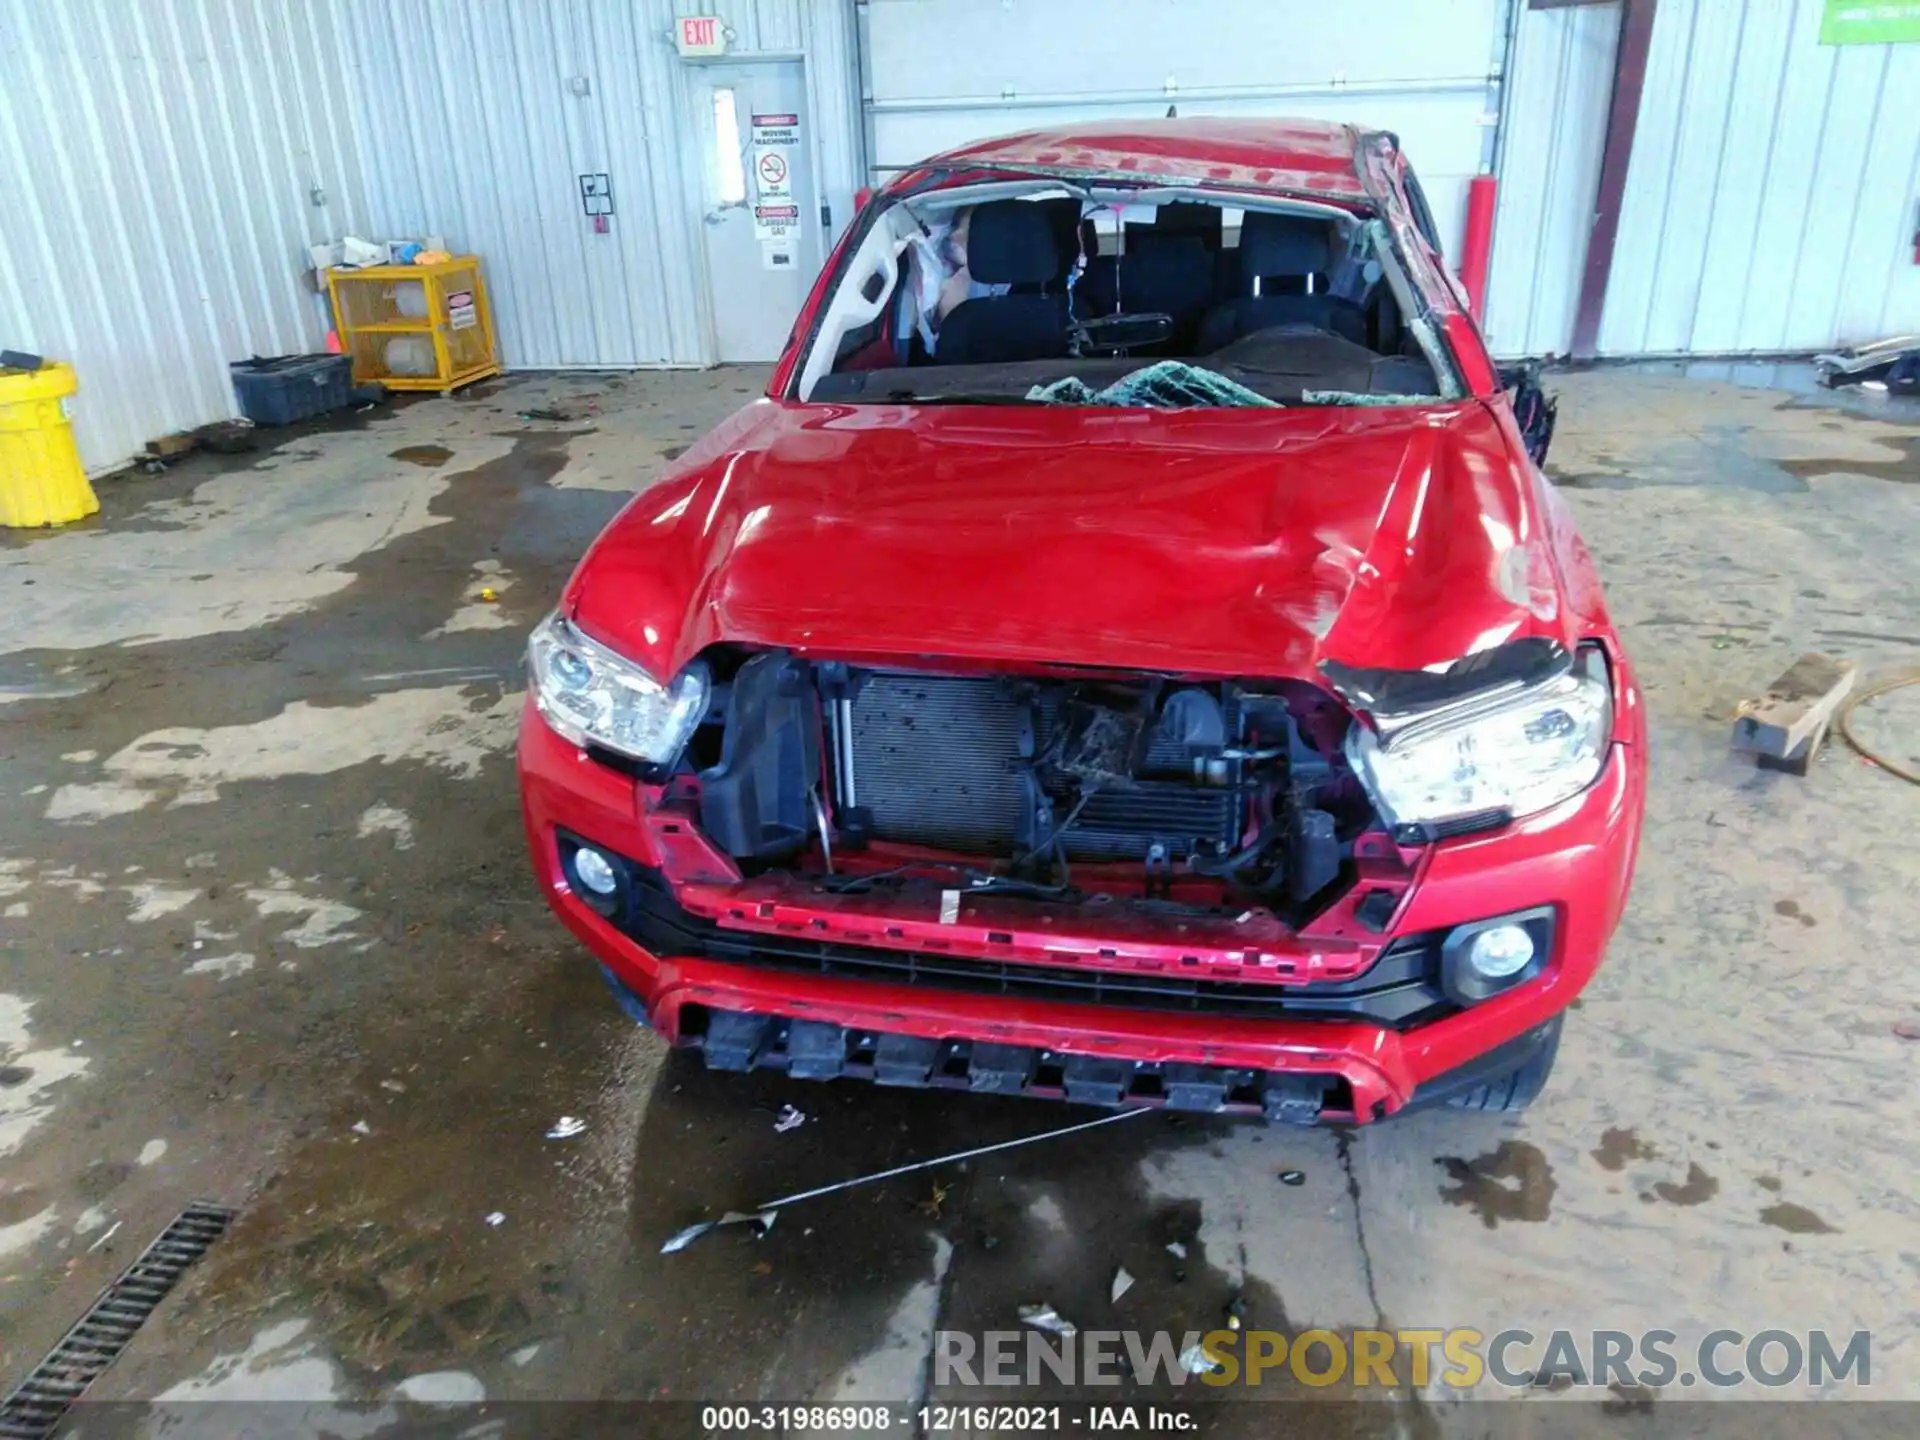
1800,761
168,446
1794,713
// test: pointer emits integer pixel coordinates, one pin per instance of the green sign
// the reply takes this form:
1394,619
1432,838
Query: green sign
1870,22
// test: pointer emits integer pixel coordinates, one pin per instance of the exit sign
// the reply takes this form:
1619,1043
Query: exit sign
701,35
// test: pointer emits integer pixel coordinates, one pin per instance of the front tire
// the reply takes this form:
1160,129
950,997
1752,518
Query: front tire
1517,1089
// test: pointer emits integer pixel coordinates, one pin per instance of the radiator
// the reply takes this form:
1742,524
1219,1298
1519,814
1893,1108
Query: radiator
942,761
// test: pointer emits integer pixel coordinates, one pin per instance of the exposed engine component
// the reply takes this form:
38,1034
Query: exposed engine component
1026,777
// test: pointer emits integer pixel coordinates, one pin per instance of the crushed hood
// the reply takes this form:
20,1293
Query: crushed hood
1223,542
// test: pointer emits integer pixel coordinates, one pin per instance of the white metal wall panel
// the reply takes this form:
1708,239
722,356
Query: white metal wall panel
1559,81
159,169
943,72
479,119
1769,205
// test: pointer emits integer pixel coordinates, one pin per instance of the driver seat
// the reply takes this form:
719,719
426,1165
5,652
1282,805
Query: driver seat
1011,243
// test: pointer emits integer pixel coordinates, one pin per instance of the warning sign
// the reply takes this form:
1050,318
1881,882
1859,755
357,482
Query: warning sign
775,141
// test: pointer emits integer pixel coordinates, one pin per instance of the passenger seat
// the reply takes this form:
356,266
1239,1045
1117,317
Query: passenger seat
1276,251
1009,242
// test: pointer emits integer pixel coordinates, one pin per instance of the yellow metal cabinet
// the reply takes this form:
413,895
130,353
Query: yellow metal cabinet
415,327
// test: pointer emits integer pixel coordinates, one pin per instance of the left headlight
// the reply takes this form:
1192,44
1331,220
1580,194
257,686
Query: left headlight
595,697
1522,753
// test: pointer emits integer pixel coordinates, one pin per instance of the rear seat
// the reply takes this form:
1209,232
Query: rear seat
1282,250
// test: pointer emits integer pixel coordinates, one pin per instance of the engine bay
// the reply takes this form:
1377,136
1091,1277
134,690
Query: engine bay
1053,787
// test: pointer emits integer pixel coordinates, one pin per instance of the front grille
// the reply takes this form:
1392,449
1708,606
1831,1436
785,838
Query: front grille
1401,989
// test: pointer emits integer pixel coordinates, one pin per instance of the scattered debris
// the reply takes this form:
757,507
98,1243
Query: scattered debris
111,1229
1907,1029
789,1118
488,595
497,1219
1122,1282
566,1127
1177,1250
545,412
394,1085
227,437
1783,729
762,1220
930,1207
1293,1177
1045,1317
360,1127
1882,366
1195,1361
765,1213
1236,1311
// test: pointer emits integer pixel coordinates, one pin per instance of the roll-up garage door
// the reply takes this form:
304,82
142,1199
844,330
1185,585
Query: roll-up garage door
938,73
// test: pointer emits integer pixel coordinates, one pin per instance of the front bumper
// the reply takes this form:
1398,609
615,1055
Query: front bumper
1577,858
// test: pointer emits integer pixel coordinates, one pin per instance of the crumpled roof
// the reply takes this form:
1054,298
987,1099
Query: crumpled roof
1165,385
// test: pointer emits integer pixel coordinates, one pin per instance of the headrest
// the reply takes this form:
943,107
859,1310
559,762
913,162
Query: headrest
1010,242
1180,217
1284,245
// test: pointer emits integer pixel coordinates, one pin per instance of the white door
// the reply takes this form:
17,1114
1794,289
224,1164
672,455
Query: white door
761,222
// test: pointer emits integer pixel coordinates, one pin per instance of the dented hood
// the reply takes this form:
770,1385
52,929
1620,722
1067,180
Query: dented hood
1223,542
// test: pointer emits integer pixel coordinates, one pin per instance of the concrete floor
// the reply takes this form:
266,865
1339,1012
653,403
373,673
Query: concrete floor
267,937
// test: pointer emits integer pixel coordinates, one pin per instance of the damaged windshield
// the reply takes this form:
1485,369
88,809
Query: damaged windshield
1035,292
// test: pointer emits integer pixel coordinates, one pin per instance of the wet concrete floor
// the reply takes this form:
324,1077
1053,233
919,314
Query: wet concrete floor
267,938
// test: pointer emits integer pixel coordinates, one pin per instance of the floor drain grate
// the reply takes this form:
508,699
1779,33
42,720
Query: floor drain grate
83,1354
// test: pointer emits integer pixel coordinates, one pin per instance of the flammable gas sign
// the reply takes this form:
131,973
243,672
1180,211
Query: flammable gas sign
774,143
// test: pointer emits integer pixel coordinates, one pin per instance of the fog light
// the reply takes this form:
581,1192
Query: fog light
595,872
1500,951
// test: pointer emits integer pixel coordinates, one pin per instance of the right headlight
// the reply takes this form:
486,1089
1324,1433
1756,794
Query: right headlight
594,696
1519,754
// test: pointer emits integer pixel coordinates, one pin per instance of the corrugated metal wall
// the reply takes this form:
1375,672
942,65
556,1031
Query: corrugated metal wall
174,160
1560,76
477,121
158,174
1770,204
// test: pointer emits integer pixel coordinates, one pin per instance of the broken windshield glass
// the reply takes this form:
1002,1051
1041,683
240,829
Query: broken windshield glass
1168,385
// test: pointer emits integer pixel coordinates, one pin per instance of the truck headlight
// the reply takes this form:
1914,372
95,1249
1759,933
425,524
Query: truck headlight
594,697
1518,753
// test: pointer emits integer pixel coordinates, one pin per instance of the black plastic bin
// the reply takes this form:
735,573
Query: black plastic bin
287,388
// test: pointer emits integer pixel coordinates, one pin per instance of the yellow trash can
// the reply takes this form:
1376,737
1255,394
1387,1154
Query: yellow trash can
41,482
